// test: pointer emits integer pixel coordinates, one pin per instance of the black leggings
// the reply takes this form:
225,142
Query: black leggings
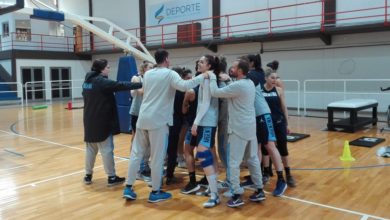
173,142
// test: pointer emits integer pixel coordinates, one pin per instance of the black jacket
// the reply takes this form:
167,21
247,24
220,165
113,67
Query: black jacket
100,111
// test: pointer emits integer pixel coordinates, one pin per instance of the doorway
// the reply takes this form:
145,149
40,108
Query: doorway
35,90
61,84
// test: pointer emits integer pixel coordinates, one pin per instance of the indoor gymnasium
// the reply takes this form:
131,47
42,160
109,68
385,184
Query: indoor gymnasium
194,109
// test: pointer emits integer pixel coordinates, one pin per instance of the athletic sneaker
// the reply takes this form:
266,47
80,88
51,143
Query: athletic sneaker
383,152
212,202
222,185
247,184
291,181
190,188
115,180
281,186
265,179
204,193
88,179
257,196
235,201
159,196
129,194
143,176
203,182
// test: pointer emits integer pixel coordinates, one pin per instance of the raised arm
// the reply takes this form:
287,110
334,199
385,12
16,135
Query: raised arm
133,93
114,86
182,85
228,91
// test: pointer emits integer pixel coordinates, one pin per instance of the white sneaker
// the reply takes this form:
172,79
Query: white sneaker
212,202
204,193
383,152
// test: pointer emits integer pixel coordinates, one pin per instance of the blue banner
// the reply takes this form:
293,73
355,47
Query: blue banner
177,11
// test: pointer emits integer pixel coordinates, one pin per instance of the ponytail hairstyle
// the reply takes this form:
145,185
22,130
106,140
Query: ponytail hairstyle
214,63
256,59
99,65
222,64
273,65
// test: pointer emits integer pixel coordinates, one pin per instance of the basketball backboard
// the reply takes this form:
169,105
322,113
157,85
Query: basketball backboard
7,6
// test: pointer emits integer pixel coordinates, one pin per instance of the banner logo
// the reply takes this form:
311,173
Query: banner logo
158,14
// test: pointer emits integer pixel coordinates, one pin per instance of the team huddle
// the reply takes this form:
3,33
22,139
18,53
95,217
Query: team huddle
244,108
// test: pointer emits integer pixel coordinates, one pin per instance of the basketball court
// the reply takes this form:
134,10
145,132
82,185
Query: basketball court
42,167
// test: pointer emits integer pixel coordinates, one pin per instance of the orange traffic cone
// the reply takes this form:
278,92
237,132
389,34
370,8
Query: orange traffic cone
347,153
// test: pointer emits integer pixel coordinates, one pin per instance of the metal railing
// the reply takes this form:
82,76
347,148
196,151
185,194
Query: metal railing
316,93
46,88
325,91
293,90
266,21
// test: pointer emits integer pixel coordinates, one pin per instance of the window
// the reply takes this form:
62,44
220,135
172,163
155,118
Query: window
23,30
5,28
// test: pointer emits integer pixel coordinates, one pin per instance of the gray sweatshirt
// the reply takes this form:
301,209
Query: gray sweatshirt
160,85
241,106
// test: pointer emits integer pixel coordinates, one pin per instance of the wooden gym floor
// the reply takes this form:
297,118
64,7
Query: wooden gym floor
42,166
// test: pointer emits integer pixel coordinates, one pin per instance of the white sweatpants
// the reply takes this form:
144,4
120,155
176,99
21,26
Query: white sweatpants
157,139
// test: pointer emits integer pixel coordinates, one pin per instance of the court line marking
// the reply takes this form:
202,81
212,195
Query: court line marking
364,217
342,168
17,167
33,184
335,208
53,143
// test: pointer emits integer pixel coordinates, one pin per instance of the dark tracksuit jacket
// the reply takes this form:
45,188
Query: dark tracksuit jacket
100,111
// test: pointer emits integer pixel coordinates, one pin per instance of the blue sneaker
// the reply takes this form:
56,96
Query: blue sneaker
159,196
235,201
248,184
257,196
281,186
129,194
